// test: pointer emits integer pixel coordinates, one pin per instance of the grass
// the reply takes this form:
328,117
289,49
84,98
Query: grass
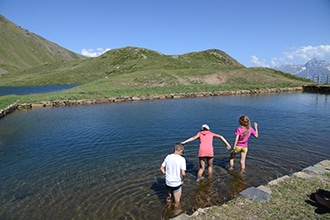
22,49
99,90
8,100
135,71
291,199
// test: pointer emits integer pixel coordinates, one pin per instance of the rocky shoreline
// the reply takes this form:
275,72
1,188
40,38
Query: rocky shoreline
263,193
58,103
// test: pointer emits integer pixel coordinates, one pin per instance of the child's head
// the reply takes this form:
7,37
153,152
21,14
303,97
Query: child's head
244,121
179,147
205,127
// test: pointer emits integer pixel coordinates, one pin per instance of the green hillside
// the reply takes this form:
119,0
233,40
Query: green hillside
28,59
21,49
119,62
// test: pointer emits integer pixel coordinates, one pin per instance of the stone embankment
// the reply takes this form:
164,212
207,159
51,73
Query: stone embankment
58,103
263,193
325,89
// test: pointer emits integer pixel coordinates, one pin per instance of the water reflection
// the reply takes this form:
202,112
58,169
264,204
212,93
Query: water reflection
236,183
205,195
102,161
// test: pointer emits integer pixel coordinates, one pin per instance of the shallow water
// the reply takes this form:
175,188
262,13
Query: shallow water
102,161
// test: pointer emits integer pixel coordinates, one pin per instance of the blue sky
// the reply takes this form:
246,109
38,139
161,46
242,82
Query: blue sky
254,32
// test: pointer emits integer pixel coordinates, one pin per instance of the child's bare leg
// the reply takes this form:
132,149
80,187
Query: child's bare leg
201,168
209,166
231,161
169,197
177,197
243,157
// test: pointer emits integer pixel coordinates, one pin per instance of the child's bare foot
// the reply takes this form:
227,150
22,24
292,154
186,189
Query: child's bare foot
200,178
168,200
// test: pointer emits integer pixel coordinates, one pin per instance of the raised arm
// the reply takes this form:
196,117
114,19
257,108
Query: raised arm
256,129
228,147
191,139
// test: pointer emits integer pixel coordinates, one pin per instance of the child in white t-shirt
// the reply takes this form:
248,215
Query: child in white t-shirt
174,169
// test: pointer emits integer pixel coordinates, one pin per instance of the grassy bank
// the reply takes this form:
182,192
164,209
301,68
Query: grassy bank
135,71
291,199
92,92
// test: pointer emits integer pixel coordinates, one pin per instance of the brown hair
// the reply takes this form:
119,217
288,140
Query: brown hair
245,122
178,147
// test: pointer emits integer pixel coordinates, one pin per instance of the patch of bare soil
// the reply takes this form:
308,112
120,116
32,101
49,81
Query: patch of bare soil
212,79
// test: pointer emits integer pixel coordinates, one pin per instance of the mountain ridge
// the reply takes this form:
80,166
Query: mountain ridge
28,59
314,69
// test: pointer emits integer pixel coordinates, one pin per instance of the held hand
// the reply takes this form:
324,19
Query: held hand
228,147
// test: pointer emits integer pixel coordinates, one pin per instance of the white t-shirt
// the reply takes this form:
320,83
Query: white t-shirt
173,164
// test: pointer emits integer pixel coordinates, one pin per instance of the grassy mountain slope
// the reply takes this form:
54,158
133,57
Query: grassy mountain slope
27,59
130,60
21,49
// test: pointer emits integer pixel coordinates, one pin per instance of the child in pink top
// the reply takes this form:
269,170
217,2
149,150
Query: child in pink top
205,151
243,132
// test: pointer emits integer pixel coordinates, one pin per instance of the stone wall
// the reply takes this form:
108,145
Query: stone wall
8,110
58,103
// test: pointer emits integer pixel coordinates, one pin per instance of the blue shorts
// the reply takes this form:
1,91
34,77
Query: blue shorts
173,188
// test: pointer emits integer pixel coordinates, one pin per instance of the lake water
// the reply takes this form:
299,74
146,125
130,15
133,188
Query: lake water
26,90
102,161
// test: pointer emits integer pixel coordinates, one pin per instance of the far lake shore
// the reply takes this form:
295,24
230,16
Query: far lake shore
57,103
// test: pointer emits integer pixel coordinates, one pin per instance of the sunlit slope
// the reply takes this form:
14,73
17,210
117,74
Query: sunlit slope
138,67
21,49
28,59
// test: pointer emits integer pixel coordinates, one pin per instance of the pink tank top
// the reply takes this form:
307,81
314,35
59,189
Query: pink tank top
205,144
243,141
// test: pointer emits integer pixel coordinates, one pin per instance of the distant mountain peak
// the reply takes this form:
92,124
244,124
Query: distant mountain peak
314,69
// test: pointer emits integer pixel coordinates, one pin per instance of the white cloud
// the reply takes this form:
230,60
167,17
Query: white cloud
306,53
255,60
296,55
92,53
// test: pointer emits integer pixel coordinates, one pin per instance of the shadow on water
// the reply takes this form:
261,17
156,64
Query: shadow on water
237,183
159,188
190,168
169,211
215,190
222,163
235,180
206,195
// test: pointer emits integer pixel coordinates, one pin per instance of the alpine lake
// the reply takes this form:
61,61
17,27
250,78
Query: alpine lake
102,161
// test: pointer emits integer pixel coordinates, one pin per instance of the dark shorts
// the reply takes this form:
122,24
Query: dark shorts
173,189
205,158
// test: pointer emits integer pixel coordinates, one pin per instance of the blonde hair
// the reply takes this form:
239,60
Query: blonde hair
245,122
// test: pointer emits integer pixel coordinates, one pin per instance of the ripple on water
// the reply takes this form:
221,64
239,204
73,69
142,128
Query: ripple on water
102,161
